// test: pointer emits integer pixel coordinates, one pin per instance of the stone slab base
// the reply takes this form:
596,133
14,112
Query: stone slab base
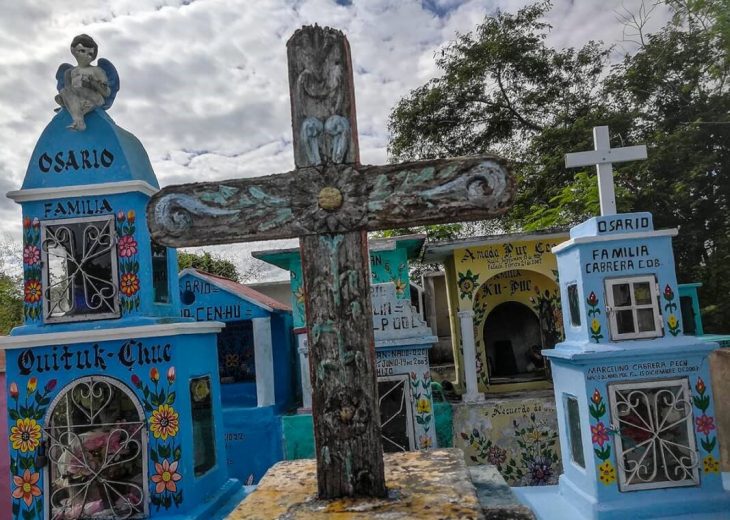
422,484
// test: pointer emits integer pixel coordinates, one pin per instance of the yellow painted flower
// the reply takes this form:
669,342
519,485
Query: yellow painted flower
425,442
672,320
25,435
711,464
533,436
595,326
299,295
423,406
400,286
164,422
607,473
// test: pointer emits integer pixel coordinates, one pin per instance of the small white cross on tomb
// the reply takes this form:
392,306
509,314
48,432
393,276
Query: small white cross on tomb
603,157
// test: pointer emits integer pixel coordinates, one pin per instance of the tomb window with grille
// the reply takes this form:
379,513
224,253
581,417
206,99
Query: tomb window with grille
79,269
633,307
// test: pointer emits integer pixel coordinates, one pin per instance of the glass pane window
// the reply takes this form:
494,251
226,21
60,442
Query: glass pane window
202,415
160,282
575,438
574,305
633,308
655,445
80,269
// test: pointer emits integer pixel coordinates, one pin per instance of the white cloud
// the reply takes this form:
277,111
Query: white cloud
204,83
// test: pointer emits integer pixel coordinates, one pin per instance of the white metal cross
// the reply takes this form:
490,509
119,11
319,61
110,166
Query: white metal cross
603,157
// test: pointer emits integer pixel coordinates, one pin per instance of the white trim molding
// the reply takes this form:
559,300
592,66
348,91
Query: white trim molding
616,236
116,333
85,190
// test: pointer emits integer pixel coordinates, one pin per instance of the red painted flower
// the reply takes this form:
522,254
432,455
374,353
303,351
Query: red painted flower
26,222
32,385
166,477
171,375
32,291
129,284
700,386
599,434
136,381
668,293
13,390
50,385
154,374
592,300
705,424
127,246
31,255
596,396
26,487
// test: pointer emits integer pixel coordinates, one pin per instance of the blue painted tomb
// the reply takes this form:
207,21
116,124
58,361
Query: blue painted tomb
113,398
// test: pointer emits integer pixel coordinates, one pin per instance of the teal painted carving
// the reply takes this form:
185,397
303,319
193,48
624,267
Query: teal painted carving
174,213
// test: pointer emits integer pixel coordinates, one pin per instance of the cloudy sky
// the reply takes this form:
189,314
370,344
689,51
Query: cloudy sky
204,83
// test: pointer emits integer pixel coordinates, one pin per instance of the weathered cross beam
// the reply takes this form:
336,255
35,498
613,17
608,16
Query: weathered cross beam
330,201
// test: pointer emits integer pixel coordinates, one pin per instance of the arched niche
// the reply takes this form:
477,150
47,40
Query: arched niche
97,452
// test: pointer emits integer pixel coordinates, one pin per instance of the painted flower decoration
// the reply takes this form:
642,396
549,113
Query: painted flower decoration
171,375
592,299
607,473
25,435
672,321
425,442
595,326
668,293
166,476
136,381
36,222
423,406
299,295
596,397
131,216
496,455
599,434
467,283
32,385
50,385
13,390
400,286
540,471
26,487
711,464
121,216
129,284
164,422
26,222
154,374
705,424
127,246
31,255
700,385
32,291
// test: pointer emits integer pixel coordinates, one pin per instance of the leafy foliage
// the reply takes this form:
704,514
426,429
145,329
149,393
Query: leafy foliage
504,90
11,302
208,263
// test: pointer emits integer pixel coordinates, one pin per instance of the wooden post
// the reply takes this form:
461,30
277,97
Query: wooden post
330,201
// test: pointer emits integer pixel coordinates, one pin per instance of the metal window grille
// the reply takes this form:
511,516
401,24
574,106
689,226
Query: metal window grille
79,269
655,443
396,417
97,446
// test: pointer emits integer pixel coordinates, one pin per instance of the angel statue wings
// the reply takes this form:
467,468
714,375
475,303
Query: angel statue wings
85,87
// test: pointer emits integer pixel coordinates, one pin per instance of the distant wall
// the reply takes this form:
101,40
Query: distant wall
279,290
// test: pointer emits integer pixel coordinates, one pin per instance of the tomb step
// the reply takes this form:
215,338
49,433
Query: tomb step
496,498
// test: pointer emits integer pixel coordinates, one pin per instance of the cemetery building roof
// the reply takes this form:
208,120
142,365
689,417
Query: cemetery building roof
439,251
283,257
238,289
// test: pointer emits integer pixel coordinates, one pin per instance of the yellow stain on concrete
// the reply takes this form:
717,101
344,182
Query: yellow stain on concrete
422,485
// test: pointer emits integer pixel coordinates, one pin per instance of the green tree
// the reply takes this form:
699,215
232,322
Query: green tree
504,90
209,263
11,303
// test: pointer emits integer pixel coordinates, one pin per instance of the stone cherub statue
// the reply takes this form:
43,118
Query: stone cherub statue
85,87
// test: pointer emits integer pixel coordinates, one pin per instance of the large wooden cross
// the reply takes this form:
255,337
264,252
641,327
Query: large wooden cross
330,201
603,157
